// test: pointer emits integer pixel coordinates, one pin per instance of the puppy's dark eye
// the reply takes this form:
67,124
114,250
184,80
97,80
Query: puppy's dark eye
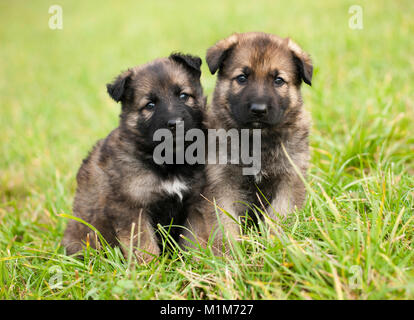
184,97
150,105
241,79
279,81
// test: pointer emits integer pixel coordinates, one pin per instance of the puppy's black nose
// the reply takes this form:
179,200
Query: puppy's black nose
172,123
258,109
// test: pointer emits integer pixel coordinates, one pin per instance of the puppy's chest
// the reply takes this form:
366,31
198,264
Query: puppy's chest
175,187
259,188
169,207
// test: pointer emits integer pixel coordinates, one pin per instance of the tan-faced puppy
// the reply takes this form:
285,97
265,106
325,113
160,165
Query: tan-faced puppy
258,87
121,190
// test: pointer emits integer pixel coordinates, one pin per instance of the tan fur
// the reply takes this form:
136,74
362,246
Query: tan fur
226,185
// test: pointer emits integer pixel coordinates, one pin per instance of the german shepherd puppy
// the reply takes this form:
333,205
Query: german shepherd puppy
121,190
258,87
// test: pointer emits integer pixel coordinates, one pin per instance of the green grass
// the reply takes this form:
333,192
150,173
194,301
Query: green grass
352,240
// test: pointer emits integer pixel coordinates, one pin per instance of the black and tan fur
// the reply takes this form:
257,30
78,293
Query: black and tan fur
120,188
248,65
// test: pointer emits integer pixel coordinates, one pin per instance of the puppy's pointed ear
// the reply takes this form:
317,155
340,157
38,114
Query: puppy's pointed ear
302,61
192,63
217,54
117,88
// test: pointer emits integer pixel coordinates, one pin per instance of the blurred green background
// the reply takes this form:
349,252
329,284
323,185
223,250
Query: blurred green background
54,105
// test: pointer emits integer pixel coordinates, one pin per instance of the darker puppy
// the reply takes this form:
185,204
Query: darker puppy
121,190
258,87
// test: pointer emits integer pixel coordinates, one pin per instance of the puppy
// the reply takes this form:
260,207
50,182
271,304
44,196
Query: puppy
122,190
258,87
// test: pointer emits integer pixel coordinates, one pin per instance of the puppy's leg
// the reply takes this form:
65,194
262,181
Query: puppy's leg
289,195
225,225
196,227
141,235
77,235
204,225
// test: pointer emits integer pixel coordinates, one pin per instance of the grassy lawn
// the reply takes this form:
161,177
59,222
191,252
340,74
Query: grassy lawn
352,240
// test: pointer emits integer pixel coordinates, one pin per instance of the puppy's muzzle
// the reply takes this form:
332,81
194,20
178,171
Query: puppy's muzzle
258,109
173,123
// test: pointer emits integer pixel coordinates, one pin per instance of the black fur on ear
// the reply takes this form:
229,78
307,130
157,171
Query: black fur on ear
302,61
192,63
217,54
117,88
305,70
